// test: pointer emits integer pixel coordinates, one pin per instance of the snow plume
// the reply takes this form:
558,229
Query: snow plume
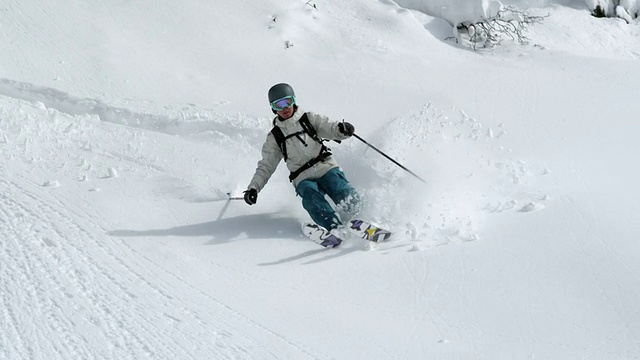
469,175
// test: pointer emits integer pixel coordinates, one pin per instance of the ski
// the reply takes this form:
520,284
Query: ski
368,231
320,235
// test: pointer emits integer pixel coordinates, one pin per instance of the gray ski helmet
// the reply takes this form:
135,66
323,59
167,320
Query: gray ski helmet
278,91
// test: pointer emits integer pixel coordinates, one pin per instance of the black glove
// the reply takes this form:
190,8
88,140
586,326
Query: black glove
346,128
251,196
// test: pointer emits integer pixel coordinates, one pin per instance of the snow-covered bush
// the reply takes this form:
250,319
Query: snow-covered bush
477,23
490,31
624,9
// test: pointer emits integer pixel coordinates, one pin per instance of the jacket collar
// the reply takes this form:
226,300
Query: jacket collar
278,121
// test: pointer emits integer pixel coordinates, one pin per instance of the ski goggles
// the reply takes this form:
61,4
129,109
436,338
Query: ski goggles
283,103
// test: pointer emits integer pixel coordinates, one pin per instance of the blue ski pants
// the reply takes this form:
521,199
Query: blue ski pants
337,187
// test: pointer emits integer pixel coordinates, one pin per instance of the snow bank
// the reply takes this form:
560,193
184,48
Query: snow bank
455,11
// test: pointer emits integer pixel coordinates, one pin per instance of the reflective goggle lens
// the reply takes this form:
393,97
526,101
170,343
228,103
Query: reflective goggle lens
283,103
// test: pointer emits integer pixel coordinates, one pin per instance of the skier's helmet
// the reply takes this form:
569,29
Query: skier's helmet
278,91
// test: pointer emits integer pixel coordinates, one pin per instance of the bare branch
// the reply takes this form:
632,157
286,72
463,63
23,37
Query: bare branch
489,32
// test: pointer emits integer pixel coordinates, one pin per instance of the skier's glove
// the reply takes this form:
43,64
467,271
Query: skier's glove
346,128
251,196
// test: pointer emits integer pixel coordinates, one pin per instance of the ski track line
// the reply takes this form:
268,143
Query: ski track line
143,281
77,277
419,280
462,330
107,310
164,294
20,281
596,229
45,40
442,325
84,277
235,313
77,265
10,328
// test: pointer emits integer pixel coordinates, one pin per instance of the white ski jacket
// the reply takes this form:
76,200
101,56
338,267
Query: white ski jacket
298,152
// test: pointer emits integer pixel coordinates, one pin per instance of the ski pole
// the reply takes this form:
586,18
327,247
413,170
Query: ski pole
226,204
387,156
229,197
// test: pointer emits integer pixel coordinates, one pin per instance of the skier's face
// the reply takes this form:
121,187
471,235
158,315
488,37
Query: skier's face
286,112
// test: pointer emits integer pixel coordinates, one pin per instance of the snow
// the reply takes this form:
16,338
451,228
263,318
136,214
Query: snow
455,11
124,124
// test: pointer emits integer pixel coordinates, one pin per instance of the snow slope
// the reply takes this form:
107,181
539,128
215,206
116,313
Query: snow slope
122,125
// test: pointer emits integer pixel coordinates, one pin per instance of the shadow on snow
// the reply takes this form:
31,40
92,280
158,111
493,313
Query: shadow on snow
260,226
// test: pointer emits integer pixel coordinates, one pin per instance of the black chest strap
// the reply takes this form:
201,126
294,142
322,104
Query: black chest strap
324,153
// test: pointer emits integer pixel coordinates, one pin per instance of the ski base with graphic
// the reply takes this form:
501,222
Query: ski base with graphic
320,235
368,231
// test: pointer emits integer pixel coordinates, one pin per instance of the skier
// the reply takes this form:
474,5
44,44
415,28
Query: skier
298,138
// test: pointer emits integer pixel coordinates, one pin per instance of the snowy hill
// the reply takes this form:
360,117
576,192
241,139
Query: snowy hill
123,125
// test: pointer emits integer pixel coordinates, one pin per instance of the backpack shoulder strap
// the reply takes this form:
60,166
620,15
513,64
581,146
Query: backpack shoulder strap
280,140
308,128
